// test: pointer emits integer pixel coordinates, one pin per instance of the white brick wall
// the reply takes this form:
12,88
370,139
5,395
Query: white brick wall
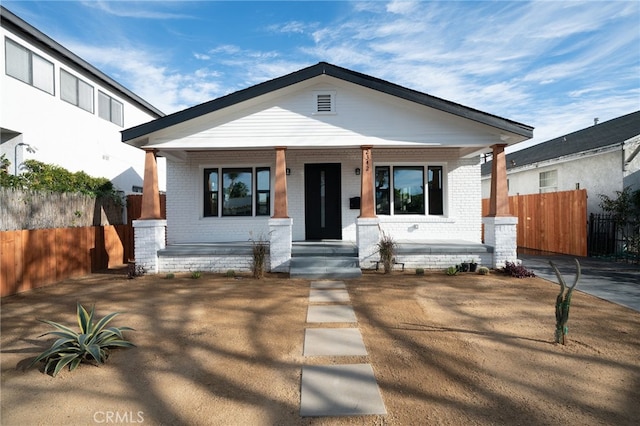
438,261
149,237
501,234
217,263
280,244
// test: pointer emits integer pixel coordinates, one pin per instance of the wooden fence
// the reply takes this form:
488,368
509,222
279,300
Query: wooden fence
39,257
553,221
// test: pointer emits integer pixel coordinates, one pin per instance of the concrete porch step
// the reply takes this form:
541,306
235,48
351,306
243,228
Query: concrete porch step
324,262
315,267
324,249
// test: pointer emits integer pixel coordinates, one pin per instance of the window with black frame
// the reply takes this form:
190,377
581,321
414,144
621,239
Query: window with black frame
436,196
382,180
408,183
210,192
408,190
237,184
263,191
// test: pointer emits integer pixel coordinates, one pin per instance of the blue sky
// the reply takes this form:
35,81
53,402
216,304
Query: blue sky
555,65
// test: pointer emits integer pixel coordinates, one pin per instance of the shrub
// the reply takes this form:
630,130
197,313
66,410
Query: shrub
196,274
452,270
91,343
260,249
169,276
387,250
134,270
517,271
483,270
419,271
230,273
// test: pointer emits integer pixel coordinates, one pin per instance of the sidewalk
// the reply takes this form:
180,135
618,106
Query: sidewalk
616,282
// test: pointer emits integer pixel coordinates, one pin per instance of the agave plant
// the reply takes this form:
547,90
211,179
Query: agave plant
91,343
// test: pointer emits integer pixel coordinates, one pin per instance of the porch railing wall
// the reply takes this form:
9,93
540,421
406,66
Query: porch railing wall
553,221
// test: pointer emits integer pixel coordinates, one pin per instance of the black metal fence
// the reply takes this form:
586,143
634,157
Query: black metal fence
617,242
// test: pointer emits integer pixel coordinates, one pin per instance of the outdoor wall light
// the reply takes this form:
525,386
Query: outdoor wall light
358,171
288,171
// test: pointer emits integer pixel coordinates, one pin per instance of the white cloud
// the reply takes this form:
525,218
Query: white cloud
127,9
148,76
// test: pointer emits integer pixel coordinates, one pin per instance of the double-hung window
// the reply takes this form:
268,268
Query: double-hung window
110,109
237,191
400,190
549,181
76,91
26,66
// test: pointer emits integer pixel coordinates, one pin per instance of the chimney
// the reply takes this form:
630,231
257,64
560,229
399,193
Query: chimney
595,121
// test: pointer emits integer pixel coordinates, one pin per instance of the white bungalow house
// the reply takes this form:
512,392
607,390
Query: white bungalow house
58,109
324,154
602,159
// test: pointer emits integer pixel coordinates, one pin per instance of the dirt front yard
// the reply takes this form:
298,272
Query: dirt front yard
464,350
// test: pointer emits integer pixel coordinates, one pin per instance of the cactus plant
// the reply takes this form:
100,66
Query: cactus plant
563,303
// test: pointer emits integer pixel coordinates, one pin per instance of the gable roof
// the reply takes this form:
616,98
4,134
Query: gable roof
324,68
612,132
20,27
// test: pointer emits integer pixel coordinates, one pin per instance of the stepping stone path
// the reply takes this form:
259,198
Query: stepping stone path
336,389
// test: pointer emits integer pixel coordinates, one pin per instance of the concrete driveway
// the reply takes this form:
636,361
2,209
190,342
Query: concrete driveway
616,282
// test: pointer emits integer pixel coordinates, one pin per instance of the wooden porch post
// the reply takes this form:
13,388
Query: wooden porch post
280,203
150,191
499,201
367,209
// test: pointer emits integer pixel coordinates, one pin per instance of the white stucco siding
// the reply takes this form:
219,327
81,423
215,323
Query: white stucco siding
66,135
598,174
632,163
186,224
362,117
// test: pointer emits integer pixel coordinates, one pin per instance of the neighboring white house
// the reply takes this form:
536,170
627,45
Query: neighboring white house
602,158
58,109
324,153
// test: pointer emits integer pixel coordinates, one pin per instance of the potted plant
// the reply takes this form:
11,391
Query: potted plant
473,265
464,267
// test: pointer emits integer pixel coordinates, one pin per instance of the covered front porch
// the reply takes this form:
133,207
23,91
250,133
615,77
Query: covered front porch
364,230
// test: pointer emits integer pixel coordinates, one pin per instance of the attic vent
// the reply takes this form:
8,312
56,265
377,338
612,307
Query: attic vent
325,102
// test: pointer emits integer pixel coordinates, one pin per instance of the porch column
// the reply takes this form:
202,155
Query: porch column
150,191
280,224
367,209
367,224
500,228
499,201
280,203
150,229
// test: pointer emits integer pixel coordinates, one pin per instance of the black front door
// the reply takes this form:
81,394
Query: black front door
323,210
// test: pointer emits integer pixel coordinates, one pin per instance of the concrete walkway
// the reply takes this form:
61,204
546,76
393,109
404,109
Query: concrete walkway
616,282
336,389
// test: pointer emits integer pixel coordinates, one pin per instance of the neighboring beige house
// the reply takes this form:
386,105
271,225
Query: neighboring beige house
322,154
58,109
602,158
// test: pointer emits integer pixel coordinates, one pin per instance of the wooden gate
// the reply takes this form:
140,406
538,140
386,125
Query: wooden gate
553,221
